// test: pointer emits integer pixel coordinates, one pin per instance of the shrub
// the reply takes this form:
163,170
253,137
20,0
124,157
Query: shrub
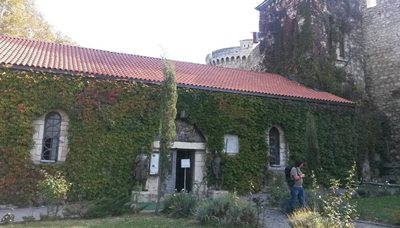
29,218
278,195
75,210
314,196
7,218
396,214
306,218
337,206
180,204
372,190
108,206
53,191
227,210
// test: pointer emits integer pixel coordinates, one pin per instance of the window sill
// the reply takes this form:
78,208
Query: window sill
48,161
341,59
276,167
231,153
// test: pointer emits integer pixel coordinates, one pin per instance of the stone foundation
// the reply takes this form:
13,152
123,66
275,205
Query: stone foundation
213,194
143,197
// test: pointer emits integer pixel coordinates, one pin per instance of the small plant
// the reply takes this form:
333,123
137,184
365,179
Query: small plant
75,210
53,190
261,208
338,207
108,206
227,210
29,218
306,218
279,194
396,214
315,198
260,202
7,218
180,204
47,217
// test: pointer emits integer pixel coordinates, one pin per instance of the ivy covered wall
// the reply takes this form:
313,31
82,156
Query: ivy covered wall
320,44
110,120
251,117
317,43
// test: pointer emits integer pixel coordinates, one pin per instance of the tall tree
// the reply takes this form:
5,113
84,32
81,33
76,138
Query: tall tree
167,126
314,156
20,18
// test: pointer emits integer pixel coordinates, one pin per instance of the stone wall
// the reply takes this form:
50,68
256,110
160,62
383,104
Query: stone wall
365,41
381,39
341,17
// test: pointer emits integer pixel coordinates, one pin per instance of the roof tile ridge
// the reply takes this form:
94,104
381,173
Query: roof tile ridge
63,45
25,39
132,55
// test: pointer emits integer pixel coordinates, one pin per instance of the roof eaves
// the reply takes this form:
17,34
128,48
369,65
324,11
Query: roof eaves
280,97
182,85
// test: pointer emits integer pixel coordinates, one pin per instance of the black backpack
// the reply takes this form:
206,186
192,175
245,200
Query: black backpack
289,179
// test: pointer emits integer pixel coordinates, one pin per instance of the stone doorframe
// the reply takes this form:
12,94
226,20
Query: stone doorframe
188,137
199,169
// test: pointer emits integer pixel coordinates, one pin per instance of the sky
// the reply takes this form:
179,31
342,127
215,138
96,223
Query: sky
185,30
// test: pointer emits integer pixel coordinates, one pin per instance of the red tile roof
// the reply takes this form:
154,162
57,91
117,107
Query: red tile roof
77,60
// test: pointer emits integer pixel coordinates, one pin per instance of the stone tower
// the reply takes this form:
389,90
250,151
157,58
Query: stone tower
235,57
381,29
362,36
336,28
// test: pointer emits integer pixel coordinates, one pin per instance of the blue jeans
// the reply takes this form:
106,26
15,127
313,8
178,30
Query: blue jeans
296,193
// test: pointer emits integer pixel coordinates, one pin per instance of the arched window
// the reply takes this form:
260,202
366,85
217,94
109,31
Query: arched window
274,147
244,58
227,59
238,57
233,58
217,61
213,62
51,137
222,60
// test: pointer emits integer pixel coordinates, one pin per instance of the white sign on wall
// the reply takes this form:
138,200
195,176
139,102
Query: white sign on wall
185,163
154,163
231,145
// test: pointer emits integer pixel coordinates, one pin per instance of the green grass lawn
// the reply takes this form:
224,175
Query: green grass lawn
381,209
137,220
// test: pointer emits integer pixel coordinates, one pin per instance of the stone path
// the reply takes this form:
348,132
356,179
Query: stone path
276,219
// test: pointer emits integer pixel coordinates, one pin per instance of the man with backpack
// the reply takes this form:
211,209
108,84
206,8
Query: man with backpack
296,191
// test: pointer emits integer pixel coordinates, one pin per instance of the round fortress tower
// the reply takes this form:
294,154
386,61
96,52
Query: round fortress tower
232,57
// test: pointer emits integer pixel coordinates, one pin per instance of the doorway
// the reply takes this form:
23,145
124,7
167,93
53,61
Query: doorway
188,161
